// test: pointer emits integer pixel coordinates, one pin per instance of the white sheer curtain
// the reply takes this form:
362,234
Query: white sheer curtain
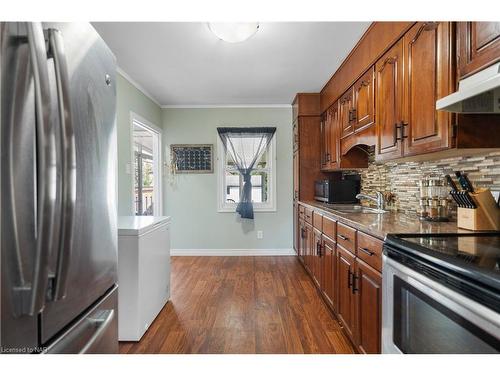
245,146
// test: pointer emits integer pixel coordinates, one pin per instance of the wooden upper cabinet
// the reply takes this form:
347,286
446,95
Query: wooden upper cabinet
428,77
345,114
330,139
334,145
368,286
363,112
324,142
389,103
478,46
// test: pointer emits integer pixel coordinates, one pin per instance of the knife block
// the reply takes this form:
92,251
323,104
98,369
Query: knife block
485,217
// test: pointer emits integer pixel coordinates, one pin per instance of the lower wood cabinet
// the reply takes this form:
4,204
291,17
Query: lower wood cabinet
345,266
368,306
328,262
315,267
345,300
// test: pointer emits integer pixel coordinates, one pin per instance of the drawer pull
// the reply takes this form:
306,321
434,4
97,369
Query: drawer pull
343,237
366,251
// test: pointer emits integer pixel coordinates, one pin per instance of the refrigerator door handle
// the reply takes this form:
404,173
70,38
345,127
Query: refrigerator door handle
102,322
31,297
68,170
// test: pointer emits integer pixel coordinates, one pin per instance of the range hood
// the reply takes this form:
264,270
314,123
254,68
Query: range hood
479,93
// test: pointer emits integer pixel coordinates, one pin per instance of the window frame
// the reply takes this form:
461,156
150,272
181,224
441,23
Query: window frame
222,205
157,164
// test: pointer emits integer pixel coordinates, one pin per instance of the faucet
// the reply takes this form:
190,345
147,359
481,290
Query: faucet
378,199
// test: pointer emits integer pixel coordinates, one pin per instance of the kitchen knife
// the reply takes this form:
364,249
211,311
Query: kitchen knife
464,181
469,188
468,200
454,195
451,183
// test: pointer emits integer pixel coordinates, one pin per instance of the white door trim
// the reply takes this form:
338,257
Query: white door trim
158,190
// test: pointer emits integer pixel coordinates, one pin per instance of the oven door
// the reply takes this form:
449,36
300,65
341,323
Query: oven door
421,316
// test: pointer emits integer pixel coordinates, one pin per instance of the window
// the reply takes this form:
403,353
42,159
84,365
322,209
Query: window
146,146
230,182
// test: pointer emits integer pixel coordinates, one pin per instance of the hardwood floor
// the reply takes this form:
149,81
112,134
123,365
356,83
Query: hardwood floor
242,305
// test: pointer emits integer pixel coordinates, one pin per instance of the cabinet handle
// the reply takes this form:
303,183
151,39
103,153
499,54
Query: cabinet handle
354,278
366,251
318,249
353,114
396,128
349,280
343,237
403,125
327,156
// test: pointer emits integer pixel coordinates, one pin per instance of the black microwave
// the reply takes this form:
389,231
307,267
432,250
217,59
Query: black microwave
337,190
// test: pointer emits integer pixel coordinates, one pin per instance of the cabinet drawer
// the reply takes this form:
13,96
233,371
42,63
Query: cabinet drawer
308,215
318,221
369,249
346,237
329,228
302,209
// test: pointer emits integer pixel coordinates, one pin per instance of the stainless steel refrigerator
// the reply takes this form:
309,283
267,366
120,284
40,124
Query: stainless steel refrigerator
58,190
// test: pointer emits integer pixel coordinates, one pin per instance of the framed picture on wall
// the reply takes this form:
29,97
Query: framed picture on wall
192,158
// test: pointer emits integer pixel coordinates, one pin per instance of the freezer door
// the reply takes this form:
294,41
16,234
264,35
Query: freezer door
85,264
28,182
93,333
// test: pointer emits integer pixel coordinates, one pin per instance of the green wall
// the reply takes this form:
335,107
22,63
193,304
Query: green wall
191,199
129,99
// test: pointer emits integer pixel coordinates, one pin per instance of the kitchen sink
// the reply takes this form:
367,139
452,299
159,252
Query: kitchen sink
355,209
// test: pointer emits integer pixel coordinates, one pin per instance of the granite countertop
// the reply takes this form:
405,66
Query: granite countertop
379,225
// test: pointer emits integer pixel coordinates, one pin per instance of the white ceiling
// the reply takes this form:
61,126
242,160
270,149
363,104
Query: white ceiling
183,63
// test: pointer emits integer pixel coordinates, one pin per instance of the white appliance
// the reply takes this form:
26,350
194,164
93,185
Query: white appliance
143,272
479,93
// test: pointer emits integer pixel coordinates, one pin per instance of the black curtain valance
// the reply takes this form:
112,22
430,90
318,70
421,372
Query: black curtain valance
245,146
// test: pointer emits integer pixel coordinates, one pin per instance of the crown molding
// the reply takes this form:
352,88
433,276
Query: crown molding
166,106
227,106
137,85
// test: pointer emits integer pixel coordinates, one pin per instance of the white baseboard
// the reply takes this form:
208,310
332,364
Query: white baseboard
232,252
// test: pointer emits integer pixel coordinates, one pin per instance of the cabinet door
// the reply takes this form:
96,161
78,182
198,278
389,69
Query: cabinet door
345,296
316,258
389,102
334,137
295,136
478,46
346,120
328,268
301,236
428,77
363,113
296,175
309,244
296,228
324,142
368,287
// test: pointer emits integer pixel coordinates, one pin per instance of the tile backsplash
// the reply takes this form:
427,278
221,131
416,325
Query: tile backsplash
400,178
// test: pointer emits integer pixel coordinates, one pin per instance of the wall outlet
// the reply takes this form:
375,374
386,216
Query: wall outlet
260,234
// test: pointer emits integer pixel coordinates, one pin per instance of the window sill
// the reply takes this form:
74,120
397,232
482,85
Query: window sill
255,209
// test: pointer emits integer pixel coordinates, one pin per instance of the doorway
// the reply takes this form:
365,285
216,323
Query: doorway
146,146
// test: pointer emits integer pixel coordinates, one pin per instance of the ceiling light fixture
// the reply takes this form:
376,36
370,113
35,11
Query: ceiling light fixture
233,32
